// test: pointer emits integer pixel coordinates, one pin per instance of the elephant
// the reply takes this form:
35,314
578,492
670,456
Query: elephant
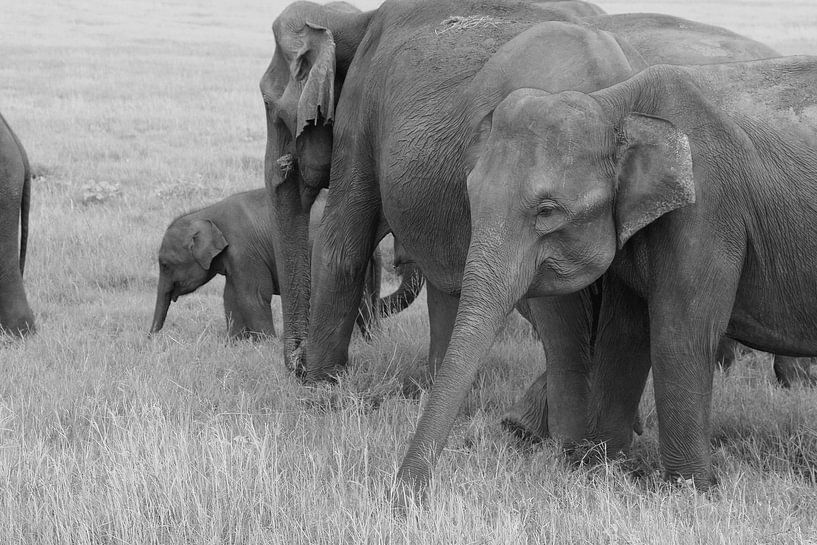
687,191
660,38
576,8
16,317
315,46
401,126
233,237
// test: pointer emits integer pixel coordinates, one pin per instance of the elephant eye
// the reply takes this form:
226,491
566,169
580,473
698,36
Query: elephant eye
547,208
550,216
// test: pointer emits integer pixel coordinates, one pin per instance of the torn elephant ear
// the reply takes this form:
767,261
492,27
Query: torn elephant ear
654,171
314,67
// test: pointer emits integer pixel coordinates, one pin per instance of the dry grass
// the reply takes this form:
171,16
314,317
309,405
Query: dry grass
135,111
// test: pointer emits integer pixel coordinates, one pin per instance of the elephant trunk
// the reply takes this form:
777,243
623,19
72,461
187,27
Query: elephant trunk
293,263
494,279
164,294
25,205
411,283
290,231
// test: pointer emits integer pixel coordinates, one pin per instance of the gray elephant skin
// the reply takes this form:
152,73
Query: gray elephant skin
315,46
16,317
692,189
233,238
399,131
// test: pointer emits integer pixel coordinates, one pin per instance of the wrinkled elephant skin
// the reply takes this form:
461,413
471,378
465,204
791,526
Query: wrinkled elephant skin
315,46
633,181
400,129
400,138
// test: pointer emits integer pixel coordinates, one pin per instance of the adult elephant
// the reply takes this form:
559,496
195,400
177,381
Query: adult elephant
409,104
16,317
658,39
690,189
314,49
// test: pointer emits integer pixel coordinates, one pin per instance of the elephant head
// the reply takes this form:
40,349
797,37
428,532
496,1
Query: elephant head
186,262
314,46
555,187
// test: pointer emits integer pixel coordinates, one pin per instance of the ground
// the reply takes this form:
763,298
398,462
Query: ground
135,111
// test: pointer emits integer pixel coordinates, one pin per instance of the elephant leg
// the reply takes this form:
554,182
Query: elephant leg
790,371
442,313
247,309
690,302
727,353
236,327
683,357
621,364
556,403
340,255
368,317
528,417
15,314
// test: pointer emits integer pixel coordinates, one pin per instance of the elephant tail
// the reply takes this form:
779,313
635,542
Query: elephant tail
367,312
25,203
411,282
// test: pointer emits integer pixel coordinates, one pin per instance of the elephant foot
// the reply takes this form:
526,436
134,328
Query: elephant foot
326,375
294,357
702,482
726,353
19,327
527,419
247,335
20,331
416,381
790,371
586,453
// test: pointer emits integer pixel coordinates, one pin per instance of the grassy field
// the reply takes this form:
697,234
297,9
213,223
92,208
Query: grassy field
134,111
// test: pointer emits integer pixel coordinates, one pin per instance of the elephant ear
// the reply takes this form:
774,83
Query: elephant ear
654,170
476,145
207,242
314,69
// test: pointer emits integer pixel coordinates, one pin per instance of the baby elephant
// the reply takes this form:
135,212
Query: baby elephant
234,237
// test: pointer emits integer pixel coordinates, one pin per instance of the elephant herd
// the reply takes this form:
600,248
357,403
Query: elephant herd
639,187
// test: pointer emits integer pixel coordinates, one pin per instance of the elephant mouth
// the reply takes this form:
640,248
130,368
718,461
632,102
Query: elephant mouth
286,163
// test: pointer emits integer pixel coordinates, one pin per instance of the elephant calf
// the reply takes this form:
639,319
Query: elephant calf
234,237
15,187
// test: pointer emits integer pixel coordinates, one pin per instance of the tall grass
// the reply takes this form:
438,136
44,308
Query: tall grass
133,112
